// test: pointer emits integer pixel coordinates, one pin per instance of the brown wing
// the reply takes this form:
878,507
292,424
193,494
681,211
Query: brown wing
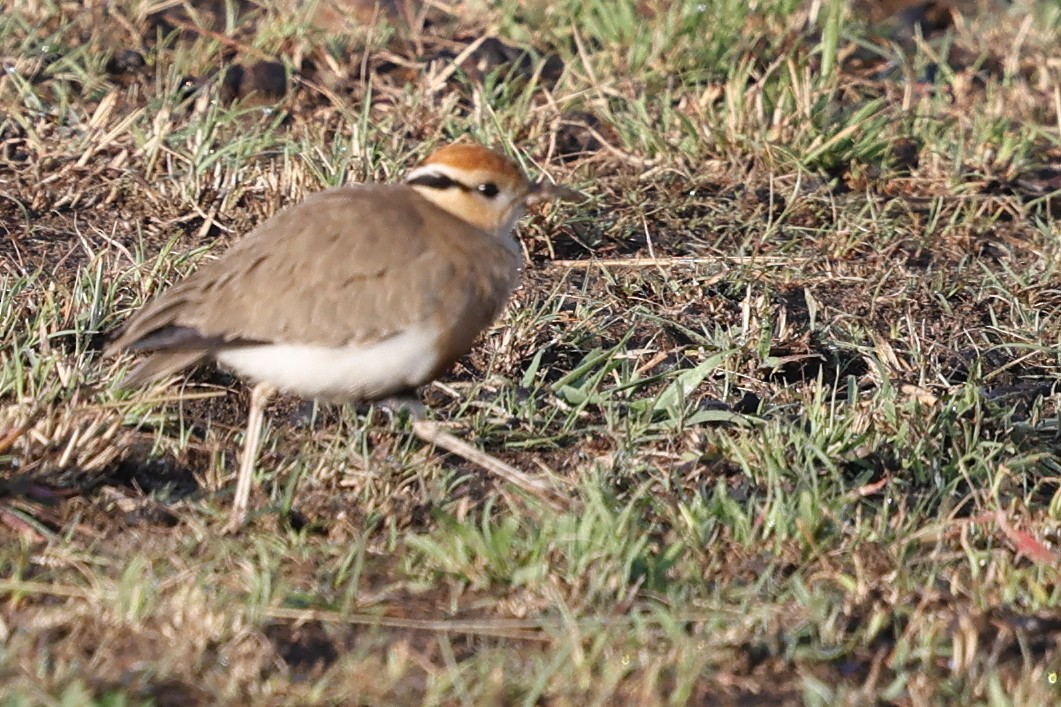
345,266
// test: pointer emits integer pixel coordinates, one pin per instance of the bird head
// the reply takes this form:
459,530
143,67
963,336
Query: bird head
481,186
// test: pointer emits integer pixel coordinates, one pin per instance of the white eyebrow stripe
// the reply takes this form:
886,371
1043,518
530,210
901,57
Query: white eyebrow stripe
438,170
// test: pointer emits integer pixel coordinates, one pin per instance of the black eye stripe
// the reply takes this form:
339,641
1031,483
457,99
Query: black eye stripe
434,180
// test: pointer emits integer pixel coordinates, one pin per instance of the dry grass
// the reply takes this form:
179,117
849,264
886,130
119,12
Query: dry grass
796,363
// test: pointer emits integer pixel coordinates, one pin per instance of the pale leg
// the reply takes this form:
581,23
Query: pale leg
252,437
394,406
431,432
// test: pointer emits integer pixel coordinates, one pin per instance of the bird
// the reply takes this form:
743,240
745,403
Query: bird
358,293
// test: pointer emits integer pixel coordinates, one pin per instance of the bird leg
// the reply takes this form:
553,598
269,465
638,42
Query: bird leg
395,405
431,432
260,395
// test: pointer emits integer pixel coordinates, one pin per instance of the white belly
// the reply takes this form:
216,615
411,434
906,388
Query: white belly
355,372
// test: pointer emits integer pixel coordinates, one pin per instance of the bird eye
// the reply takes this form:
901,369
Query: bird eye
488,189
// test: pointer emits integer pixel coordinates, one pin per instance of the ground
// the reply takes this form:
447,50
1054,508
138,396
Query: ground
793,364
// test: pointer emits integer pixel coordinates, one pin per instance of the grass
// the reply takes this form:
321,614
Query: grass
795,363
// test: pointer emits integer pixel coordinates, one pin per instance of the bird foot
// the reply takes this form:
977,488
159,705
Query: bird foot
236,520
399,407
431,432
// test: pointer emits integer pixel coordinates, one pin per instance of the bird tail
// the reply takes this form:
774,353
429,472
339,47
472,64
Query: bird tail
161,364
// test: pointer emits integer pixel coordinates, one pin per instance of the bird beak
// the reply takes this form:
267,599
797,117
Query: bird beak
541,191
